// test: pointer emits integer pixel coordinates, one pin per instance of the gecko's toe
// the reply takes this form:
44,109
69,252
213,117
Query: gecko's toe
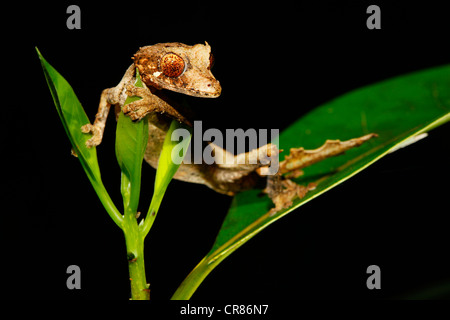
96,138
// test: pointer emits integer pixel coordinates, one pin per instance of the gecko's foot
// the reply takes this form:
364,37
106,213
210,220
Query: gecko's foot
287,192
283,191
133,91
137,110
96,135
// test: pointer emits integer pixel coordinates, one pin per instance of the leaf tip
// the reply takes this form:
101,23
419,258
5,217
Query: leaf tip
39,53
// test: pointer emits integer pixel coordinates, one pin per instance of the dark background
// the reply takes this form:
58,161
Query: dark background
394,214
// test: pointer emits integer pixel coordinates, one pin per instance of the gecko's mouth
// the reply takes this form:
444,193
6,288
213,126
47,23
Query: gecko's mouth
204,87
213,91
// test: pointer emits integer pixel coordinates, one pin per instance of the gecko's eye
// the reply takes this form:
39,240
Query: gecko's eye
172,65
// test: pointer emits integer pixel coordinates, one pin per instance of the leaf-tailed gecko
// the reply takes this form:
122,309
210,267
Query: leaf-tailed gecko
187,69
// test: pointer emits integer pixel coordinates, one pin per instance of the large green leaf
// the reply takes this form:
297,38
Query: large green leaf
73,117
396,109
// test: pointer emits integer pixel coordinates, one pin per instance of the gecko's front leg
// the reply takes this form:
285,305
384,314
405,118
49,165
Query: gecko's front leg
111,96
98,127
148,103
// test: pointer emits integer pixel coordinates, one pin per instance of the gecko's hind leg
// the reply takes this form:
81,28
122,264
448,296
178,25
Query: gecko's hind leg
284,191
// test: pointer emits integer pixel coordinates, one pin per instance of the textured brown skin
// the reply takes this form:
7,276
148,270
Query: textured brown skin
196,80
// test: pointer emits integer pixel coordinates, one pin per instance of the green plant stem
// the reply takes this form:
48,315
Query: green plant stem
134,241
147,223
135,255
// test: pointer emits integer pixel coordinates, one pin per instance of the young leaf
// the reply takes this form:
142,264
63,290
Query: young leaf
131,141
167,168
73,117
396,109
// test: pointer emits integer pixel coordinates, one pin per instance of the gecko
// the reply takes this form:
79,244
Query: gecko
186,69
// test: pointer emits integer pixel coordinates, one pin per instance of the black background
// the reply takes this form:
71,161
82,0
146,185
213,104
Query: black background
394,214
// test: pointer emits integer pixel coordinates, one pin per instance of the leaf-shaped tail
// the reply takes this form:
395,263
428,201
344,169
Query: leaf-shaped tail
300,158
283,191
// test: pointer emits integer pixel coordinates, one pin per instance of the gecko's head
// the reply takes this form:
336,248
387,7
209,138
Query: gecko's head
178,67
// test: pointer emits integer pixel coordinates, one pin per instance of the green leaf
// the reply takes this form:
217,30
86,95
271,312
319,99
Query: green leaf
131,141
73,117
396,109
167,167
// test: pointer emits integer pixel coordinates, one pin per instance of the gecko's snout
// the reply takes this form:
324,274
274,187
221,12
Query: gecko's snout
211,89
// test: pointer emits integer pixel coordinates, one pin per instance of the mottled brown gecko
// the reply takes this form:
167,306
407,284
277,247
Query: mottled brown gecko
187,70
